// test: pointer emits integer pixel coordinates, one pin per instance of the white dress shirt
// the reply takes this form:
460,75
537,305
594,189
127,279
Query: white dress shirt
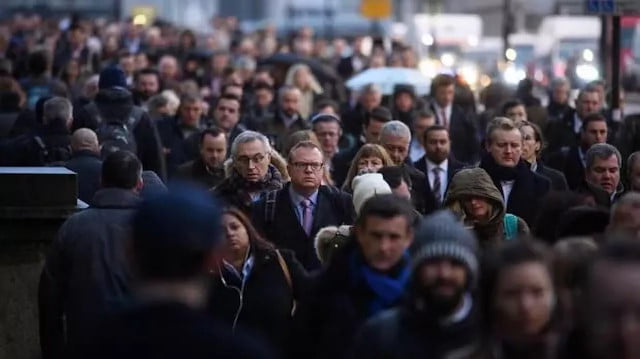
577,123
507,186
416,151
444,167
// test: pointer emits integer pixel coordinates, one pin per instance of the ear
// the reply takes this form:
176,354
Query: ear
139,184
487,145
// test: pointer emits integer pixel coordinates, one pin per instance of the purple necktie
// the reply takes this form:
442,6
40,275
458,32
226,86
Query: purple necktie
307,216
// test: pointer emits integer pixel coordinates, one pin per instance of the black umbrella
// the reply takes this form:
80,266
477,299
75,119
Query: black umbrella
321,71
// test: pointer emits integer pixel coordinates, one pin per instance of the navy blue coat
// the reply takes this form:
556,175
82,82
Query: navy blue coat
88,166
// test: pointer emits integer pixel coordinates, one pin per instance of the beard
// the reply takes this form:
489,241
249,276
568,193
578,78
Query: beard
437,304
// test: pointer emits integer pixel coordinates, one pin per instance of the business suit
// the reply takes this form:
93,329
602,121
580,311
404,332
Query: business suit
568,162
465,144
557,179
285,231
560,133
453,166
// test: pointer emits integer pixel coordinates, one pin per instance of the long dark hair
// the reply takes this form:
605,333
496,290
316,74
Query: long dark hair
255,239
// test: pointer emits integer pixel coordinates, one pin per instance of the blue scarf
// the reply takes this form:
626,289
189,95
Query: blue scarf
387,290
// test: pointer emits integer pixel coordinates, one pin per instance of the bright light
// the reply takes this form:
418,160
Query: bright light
512,75
428,68
473,41
511,54
427,39
448,59
470,74
485,80
587,72
140,19
587,55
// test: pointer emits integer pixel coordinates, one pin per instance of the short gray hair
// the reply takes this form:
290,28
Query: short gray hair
631,161
249,136
559,81
286,89
395,129
601,151
57,109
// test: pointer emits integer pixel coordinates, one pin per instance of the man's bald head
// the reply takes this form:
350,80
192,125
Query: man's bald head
84,139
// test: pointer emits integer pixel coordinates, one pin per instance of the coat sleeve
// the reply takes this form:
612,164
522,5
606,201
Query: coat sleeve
150,147
300,279
350,212
50,299
523,228
257,217
370,340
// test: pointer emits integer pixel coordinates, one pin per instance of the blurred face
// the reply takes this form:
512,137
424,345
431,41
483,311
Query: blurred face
168,68
561,94
370,164
219,62
614,322
444,95
264,98
443,283
383,241
420,125
290,103
370,100
524,299
302,78
141,61
236,91
530,147
517,114
227,114
372,131
235,235
605,173
588,103
148,85
437,146
252,161
626,219
477,208
128,64
329,135
305,169
397,147
635,176
404,102
596,132
190,113
213,150
506,147
77,37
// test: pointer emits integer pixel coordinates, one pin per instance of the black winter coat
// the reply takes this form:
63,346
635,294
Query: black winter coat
180,149
88,166
262,305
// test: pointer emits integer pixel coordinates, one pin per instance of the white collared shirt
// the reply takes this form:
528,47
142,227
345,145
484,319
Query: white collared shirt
444,167
447,112
416,151
507,186
577,123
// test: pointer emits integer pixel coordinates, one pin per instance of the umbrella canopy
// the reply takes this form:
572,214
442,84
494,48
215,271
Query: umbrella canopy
320,70
388,77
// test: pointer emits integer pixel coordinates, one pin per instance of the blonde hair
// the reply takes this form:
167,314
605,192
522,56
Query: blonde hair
499,123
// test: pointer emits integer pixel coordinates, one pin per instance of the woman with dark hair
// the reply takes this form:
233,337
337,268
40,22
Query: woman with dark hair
532,145
257,286
519,302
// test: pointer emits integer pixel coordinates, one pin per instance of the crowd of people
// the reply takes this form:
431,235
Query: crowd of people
308,221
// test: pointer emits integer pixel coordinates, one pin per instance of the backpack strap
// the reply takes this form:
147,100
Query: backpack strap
270,207
287,277
510,226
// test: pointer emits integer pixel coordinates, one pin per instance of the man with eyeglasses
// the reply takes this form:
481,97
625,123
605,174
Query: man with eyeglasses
252,173
291,217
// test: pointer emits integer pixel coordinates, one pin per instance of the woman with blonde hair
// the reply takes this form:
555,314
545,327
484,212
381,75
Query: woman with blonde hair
300,76
369,159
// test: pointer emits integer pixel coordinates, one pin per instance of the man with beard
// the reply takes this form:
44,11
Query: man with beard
440,318
147,84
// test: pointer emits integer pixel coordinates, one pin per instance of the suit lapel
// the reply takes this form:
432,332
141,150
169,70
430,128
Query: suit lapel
285,208
323,209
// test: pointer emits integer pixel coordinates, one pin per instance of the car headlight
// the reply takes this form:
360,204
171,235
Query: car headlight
587,72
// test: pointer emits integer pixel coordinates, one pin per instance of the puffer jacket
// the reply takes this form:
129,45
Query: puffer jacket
475,182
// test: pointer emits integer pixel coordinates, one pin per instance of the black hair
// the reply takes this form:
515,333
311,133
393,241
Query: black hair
158,262
211,131
261,85
380,114
592,117
511,104
386,206
425,112
433,129
394,175
147,71
38,62
228,97
121,169
327,103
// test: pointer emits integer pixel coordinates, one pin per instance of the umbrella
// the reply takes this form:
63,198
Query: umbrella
388,77
321,71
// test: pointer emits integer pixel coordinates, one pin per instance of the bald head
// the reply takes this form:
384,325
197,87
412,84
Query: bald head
84,139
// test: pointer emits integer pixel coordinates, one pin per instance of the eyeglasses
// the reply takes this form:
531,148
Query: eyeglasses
246,160
304,165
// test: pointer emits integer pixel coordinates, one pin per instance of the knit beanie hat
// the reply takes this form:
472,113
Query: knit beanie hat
112,76
366,186
441,235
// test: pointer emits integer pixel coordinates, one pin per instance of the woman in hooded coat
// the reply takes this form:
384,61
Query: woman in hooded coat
474,198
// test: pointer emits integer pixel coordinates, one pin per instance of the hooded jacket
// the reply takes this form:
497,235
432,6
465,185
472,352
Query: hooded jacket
475,182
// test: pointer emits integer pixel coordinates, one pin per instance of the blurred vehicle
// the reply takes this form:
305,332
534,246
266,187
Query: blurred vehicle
520,58
568,46
630,52
442,40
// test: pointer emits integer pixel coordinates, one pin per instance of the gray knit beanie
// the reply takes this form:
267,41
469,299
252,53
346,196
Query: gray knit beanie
441,235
